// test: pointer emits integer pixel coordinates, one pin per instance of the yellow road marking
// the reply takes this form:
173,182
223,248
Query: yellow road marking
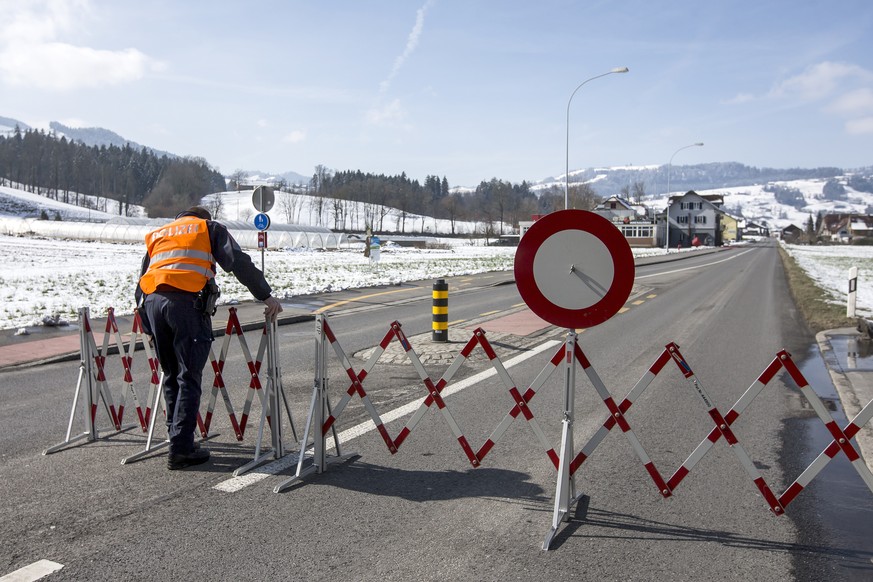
624,309
638,302
489,313
338,303
652,296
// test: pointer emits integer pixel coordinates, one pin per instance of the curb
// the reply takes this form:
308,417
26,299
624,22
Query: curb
848,391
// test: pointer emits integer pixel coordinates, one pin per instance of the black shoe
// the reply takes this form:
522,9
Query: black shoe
180,461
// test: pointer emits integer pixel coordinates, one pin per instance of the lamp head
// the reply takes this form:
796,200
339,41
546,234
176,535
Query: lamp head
619,70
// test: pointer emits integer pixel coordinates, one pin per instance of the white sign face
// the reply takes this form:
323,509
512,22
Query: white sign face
573,269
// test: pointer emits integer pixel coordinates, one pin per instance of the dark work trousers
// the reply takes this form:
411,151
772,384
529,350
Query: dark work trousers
182,337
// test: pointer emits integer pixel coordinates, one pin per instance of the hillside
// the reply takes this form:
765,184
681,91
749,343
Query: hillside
771,196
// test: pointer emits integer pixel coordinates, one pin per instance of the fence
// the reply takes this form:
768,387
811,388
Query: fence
313,453
94,387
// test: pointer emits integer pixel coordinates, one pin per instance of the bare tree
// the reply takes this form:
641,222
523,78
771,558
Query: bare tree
237,179
289,203
216,205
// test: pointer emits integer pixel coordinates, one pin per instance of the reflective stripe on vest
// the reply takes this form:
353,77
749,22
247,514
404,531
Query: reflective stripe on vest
180,255
208,273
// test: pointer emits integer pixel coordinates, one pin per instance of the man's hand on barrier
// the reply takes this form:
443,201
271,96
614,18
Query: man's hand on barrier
273,307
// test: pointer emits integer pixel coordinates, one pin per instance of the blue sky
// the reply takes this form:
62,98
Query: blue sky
465,89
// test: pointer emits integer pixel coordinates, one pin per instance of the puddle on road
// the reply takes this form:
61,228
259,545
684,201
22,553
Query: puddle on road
841,504
852,354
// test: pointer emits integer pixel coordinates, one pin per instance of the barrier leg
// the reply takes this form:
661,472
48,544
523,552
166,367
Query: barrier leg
565,490
154,415
271,406
319,410
86,374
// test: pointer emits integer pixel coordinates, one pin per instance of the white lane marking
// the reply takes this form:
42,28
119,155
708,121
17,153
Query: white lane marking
236,483
32,572
697,267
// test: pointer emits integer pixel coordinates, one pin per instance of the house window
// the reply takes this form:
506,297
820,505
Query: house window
612,206
682,219
700,219
637,231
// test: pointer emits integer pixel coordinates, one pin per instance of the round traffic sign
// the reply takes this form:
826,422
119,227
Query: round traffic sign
262,221
263,198
574,268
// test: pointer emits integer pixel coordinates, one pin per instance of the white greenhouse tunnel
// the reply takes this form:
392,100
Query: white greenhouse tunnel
133,230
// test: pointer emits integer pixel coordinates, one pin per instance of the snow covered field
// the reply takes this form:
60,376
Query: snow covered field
42,278
829,267
45,278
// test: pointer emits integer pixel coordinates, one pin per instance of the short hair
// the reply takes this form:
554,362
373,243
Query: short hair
199,212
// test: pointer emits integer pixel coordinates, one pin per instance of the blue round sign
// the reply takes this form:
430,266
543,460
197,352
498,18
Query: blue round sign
262,221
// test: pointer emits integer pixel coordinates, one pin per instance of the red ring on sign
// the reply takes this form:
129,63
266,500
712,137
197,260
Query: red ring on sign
608,234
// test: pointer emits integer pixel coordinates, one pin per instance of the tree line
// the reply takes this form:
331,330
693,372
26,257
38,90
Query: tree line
495,203
73,172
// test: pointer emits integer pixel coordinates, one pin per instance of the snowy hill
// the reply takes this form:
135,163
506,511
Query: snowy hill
767,196
757,205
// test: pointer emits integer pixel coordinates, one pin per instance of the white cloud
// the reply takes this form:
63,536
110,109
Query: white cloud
411,43
262,123
859,101
295,136
390,114
37,21
819,81
861,126
31,54
740,98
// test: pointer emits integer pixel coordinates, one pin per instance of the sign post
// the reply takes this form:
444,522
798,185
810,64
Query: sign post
853,291
574,269
262,223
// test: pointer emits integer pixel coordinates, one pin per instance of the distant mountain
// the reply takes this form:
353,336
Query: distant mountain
98,136
7,125
611,181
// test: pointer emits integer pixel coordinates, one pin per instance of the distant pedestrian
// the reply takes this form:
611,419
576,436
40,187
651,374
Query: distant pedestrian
177,292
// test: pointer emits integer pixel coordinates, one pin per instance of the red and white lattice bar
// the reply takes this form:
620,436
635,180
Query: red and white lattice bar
842,438
100,375
723,429
617,416
356,386
434,393
233,328
126,355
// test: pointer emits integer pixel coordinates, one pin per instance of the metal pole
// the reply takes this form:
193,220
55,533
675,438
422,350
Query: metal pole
669,167
565,490
567,149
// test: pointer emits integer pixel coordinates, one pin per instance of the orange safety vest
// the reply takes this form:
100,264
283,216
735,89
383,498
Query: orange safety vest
180,255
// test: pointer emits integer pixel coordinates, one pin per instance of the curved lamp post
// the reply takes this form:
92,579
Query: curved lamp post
669,166
567,168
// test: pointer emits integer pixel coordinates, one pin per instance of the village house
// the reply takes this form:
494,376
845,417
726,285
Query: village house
845,228
692,216
631,219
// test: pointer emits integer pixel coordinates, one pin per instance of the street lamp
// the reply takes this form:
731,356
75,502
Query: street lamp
567,172
669,166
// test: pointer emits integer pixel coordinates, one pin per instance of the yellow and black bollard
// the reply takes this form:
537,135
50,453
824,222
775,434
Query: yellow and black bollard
440,311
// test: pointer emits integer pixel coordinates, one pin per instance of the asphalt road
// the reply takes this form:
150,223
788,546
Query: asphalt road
425,513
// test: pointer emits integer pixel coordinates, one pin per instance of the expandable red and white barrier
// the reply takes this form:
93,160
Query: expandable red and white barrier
97,368
566,460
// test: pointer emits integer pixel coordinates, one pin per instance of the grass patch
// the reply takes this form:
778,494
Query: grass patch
812,301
